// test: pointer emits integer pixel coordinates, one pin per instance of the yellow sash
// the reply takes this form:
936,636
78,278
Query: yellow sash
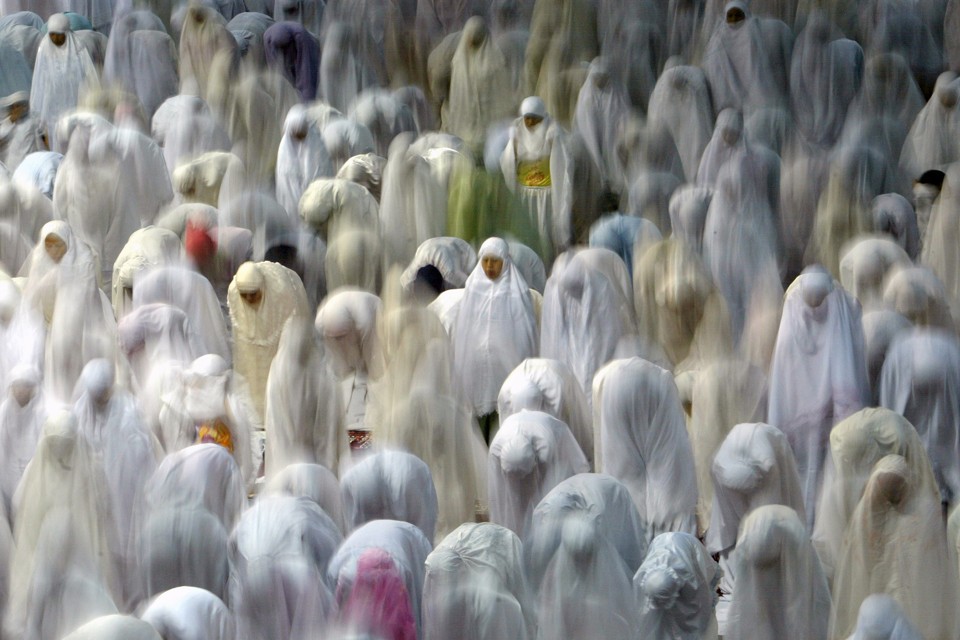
217,432
534,173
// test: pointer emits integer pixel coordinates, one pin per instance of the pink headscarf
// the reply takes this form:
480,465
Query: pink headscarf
379,600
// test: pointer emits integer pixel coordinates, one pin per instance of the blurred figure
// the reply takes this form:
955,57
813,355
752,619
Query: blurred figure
781,590
303,413
21,132
882,618
475,587
819,373
530,454
641,439
896,544
495,330
63,70
22,415
261,298
535,163
676,589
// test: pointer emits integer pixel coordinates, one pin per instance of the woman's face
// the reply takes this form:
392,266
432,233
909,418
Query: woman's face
55,247
492,266
531,121
58,38
252,298
735,16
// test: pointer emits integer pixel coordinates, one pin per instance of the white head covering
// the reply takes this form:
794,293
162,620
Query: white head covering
586,312
819,373
390,485
302,158
882,618
531,453
586,590
641,439
475,587
680,102
540,384
189,613
115,627
257,328
865,265
59,74
896,543
754,466
676,589
856,444
781,590
921,382
932,141
303,414
495,329
311,481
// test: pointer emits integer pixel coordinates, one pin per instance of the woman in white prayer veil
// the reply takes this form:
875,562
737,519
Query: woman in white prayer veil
475,587
882,618
481,89
921,382
413,203
743,213
747,59
390,485
153,60
190,292
344,73
896,544
536,164
262,296
680,103
278,528
302,158
641,439
599,497
145,249
942,233
531,453
894,216
186,129
303,412
728,140
82,328
495,329
681,314
63,493
314,482
676,589
182,546
781,589
201,476
208,402
63,70
819,372
347,322
601,115
407,547
541,384
203,40
107,417
856,444
189,613
919,296
67,588
932,141
753,467
586,590
864,265
22,415
115,627
725,392
432,423
587,312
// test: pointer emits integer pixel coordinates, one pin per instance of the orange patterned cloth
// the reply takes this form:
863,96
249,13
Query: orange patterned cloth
359,439
217,432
